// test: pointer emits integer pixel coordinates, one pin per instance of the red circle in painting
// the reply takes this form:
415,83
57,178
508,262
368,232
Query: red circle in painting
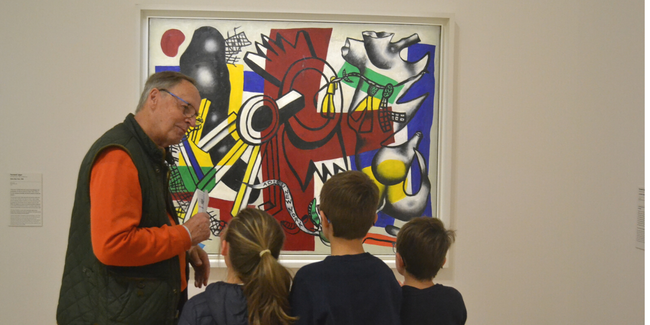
170,42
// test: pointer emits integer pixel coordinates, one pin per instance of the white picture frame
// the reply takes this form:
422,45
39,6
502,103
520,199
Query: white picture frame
402,28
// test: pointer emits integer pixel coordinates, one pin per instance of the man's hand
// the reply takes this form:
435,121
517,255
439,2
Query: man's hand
199,227
201,264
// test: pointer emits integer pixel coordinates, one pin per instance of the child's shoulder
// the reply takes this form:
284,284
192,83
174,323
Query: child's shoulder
447,290
358,261
437,290
309,271
344,264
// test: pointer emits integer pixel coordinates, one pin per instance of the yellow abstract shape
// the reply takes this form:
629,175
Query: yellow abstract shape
251,170
195,210
202,157
396,192
328,108
233,154
203,113
220,169
393,193
368,104
392,170
382,187
236,94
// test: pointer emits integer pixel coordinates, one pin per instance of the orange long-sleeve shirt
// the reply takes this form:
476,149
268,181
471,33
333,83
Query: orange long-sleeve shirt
115,212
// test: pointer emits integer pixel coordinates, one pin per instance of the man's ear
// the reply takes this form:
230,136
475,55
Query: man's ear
154,97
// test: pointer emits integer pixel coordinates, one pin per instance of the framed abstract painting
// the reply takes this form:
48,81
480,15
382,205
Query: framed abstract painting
290,100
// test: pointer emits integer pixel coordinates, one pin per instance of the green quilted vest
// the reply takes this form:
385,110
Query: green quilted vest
94,293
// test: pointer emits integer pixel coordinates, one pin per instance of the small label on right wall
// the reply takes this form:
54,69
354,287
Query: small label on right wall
640,220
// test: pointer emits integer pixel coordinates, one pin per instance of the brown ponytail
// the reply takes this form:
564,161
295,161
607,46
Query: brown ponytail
255,240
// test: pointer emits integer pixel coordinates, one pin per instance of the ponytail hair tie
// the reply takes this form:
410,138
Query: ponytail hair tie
264,252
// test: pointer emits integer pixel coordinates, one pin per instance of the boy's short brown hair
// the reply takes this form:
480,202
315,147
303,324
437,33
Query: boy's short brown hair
349,201
423,243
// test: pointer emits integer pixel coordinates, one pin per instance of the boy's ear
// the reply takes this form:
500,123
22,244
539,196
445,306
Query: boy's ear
224,247
327,226
376,218
324,220
399,264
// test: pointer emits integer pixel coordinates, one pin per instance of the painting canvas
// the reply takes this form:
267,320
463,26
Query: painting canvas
288,103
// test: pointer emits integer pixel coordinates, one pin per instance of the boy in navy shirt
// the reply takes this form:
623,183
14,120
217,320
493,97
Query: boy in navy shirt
350,286
421,246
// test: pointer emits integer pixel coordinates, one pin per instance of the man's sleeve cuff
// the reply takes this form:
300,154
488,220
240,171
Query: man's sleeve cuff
188,232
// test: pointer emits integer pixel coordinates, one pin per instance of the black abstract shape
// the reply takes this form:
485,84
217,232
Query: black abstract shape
391,230
205,61
234,45
288,202
216,225
304,178
233,179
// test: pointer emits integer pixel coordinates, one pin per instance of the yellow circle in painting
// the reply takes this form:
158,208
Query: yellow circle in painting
392,170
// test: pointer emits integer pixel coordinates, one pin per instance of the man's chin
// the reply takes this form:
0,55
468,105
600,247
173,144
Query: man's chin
180,134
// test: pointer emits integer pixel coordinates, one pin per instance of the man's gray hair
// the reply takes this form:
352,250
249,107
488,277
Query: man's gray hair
162,80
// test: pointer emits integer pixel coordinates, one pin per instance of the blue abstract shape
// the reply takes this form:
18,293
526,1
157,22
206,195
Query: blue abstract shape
160,68
423,119
253,82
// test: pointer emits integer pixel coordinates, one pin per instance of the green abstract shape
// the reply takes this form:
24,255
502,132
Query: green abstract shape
191,181
380,79
315,219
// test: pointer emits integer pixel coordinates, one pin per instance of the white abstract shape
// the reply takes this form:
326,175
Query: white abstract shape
205,77
211,46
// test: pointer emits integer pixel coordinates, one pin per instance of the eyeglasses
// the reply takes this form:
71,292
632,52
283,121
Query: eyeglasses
188,109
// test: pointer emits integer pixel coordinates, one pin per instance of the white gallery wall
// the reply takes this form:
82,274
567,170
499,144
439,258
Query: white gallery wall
547,147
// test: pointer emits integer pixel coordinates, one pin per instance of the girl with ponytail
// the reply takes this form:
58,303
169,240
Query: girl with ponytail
256,288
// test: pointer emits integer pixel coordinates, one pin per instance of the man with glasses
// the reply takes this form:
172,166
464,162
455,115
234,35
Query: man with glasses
128,254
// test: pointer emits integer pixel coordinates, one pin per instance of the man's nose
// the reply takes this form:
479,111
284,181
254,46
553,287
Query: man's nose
192,121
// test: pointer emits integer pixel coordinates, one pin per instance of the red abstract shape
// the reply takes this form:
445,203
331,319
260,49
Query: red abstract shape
379,240
292,46
170,42
294,62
